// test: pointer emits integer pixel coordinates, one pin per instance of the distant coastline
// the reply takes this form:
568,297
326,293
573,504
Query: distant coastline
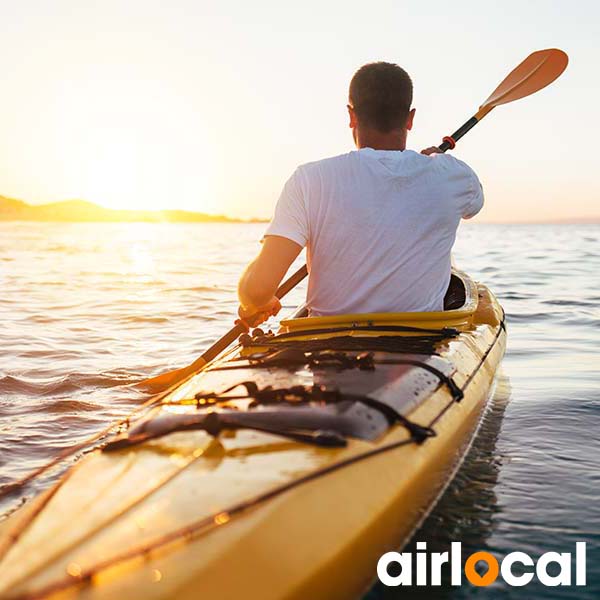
572,221
81,211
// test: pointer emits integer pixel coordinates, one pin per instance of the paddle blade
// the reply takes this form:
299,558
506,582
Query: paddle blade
161,382
536,72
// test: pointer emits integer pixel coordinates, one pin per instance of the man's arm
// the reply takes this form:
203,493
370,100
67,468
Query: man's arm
472,201
259,281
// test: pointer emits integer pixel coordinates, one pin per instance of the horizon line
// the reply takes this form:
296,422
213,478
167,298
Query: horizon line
583,220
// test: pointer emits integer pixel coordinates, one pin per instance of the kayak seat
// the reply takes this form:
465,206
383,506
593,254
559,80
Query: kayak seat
456,296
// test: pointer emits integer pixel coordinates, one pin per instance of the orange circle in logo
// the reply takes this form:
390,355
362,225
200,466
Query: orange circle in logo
491,574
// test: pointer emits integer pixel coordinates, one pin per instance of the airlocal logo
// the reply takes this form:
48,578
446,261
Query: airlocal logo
563,563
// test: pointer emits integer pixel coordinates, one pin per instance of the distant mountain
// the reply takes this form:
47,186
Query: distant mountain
10,207
82,211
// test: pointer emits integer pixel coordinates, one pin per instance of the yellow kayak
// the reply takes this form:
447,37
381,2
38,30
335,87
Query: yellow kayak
283,470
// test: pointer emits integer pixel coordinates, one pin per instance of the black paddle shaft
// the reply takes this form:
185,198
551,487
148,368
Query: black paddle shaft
450,141
230,337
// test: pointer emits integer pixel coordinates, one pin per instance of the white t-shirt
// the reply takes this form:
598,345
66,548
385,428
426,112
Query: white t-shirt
379,226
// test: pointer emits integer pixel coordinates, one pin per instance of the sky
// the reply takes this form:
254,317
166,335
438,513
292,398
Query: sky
210,106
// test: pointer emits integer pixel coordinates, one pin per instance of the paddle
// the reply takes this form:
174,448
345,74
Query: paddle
536,72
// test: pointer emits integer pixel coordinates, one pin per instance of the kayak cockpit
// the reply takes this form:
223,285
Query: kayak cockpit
460,304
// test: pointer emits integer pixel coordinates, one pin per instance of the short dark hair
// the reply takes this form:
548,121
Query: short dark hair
381,95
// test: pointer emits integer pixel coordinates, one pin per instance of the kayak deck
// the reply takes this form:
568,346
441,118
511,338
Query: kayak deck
175,511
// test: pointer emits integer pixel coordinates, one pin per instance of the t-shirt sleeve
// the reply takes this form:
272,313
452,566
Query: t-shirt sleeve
290,219
472,200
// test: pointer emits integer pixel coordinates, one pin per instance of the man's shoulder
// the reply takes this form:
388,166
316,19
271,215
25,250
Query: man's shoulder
450,165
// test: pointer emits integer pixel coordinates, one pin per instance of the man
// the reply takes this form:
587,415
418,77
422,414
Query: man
378,223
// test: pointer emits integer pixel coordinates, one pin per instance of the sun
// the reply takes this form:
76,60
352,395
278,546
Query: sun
137,149
120,171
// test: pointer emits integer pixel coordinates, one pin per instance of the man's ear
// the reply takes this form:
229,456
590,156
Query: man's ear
352,115
410,119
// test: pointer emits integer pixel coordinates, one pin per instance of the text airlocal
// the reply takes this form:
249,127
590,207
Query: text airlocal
566,569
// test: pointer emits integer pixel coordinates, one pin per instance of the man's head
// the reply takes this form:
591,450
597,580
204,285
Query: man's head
380,99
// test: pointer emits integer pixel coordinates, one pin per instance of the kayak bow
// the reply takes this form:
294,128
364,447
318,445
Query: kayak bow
283,469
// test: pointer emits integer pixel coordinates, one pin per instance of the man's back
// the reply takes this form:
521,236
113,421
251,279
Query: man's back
379,226
379,223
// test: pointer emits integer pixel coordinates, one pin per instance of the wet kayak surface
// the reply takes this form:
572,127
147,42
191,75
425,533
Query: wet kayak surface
88,308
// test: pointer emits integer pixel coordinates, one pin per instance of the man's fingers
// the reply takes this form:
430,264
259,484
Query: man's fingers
431,150
243,323
276,308
262,313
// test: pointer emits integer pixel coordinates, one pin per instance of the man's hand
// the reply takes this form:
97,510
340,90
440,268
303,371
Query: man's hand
431,150
255,315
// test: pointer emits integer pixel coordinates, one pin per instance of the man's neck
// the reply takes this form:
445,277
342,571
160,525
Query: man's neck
370,138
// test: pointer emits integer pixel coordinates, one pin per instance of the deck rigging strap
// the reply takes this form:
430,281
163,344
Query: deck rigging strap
421,344
321,359
322,429
294,357
443,332
318,393
469,379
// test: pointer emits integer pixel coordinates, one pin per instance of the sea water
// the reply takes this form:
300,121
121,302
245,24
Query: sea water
86,309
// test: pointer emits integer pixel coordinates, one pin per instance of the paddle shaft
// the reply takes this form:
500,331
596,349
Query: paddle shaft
289,284
450,141
166,380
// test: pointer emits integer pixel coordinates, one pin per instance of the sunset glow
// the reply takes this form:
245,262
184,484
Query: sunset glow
149,106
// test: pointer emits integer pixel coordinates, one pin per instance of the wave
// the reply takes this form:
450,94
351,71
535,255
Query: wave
142,319
65,384
571,302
